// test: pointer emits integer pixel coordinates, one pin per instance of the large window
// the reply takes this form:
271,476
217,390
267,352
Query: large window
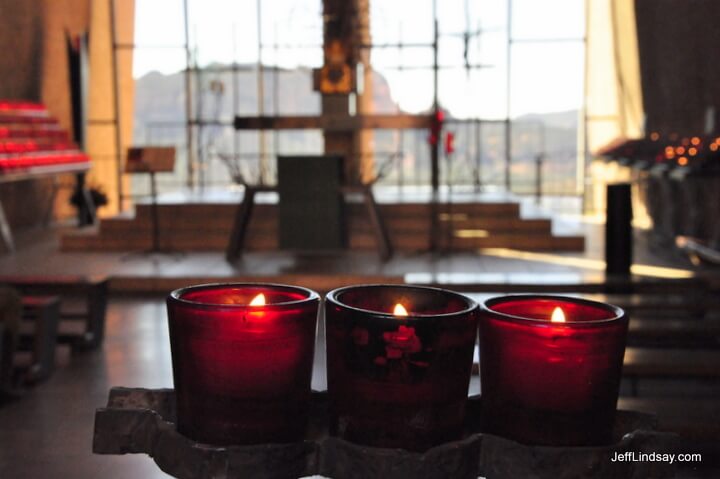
540,92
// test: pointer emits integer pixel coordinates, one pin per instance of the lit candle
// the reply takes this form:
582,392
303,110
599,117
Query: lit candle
258,300
399,361
242,361
550,368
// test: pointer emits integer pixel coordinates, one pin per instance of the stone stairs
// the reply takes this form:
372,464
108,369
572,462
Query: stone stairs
206,227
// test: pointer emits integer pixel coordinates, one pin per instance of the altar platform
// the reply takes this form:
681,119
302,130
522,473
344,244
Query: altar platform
460,220
133,271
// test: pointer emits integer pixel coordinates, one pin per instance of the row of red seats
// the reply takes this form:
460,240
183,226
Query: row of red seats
22,162
22,119
21,105
29,146
50,132
30,137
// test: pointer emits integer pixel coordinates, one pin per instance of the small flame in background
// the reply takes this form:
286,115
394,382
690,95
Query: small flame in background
258,300
557,316
400,310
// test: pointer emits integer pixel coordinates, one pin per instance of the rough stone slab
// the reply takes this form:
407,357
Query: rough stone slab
142,421
501,458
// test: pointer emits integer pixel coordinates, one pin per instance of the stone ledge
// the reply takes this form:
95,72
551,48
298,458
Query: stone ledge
142,421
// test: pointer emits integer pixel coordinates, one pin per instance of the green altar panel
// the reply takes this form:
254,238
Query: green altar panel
310,206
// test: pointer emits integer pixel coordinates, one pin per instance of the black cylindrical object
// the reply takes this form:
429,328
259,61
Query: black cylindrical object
618,230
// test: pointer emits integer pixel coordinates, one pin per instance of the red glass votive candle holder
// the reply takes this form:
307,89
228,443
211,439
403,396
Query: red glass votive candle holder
548,379
241,368
398,376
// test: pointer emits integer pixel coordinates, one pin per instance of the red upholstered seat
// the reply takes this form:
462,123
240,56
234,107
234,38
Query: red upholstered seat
30,137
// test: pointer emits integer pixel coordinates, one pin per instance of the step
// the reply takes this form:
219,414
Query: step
174,225
685,333
207,242
503,224
214,216
387,211
366,241
478,225
133,239
672,363
116,233
691,304
265,220
521,242
470,209
690,417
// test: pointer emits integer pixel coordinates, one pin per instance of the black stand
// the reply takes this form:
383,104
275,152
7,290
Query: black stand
86,210
154,215
618,230
242,219
154,226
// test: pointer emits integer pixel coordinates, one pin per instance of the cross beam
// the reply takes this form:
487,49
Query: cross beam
333,122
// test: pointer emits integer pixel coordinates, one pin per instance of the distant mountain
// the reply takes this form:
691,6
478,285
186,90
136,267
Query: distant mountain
160,98
160,119
561,119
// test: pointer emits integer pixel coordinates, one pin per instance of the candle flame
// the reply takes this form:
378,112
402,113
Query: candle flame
258,300
557,315
400,310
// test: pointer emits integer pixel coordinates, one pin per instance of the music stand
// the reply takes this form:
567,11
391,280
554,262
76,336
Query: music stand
151,160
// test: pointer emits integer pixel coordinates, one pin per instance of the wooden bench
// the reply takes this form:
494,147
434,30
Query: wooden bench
679,299
92,290
38,334
667,363
515,283
662,305
697,418
672,363
3,363
683,333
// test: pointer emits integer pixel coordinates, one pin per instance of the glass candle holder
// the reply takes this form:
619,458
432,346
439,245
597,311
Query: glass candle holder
548,380
398,378
242,358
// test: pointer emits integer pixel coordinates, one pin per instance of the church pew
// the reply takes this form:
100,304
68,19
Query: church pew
685,332
91,290
697,418
38,333
672,363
